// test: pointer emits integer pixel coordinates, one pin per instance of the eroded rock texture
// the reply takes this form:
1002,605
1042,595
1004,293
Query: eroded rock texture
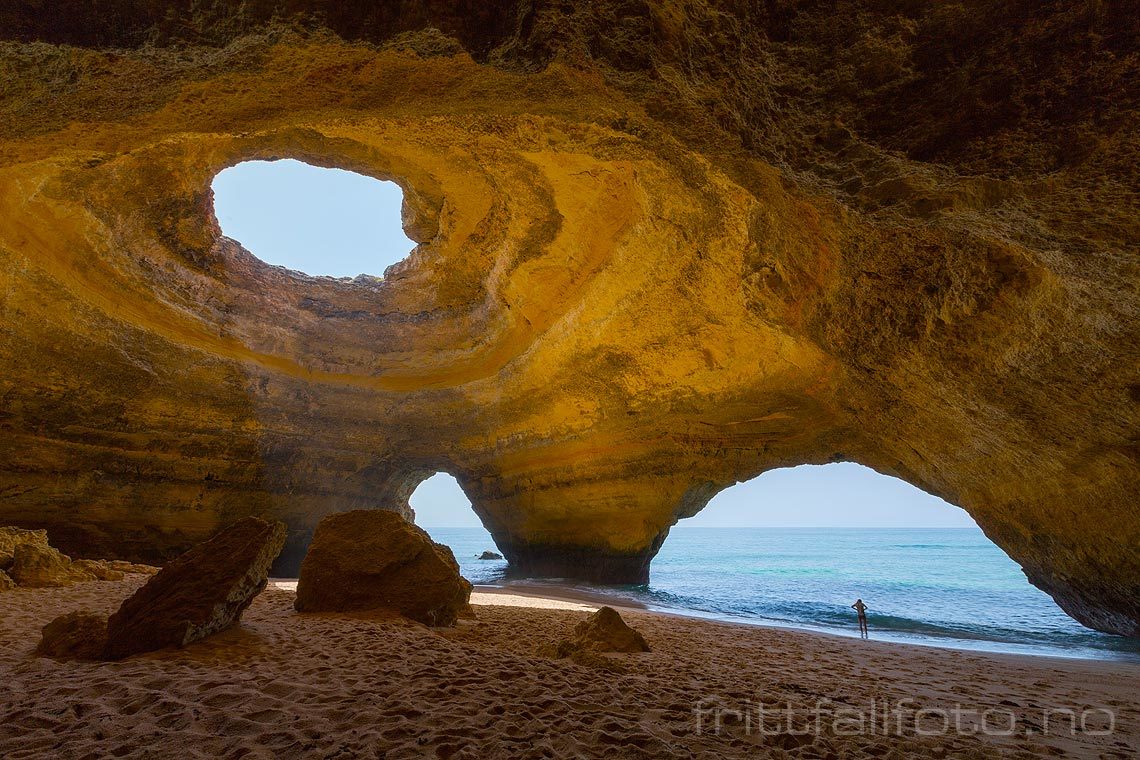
37,566
198,594
371,559
663,247
11,537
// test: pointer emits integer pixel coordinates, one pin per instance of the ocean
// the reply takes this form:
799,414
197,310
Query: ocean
948,587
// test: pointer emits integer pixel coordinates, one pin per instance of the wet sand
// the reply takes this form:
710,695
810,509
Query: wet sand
285,685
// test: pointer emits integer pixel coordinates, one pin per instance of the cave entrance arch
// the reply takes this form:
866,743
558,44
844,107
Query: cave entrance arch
798,546
311,219
838,495
443,509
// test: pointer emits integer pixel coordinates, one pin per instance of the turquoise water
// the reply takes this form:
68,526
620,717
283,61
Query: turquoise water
947,587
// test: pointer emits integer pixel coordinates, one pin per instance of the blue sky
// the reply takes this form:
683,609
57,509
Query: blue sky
317,221
824,496
337,223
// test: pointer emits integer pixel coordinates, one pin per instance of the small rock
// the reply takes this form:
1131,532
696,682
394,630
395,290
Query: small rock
604,631
40,566
75,636
130,568
6,581
100,569
375,559
198,594
490,555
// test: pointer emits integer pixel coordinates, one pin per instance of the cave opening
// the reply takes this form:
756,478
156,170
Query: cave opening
797,546
311,219
838,495
439,502
444,511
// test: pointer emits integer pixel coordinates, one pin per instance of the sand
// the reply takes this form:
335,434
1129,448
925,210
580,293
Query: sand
285,685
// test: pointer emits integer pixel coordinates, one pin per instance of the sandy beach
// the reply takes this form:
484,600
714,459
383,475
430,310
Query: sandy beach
285,685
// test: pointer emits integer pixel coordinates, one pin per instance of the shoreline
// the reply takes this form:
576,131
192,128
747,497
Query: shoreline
754,577
572,595
557,592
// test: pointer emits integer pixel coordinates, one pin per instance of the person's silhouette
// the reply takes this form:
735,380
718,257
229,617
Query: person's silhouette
862,610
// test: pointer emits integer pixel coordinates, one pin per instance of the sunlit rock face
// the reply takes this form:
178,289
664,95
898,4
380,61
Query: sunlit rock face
662,247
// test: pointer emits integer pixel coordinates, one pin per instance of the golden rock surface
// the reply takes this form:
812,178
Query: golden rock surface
662,248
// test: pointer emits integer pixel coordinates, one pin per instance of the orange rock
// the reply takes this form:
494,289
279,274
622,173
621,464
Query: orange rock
97,568
11,537
40,566
129,568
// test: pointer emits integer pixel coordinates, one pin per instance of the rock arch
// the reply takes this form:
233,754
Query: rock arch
638,280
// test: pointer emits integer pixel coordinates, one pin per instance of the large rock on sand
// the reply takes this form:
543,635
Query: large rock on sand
11,537
38,565
375,559
74,636
200,593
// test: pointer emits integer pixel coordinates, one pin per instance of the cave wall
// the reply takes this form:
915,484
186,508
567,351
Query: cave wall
662,247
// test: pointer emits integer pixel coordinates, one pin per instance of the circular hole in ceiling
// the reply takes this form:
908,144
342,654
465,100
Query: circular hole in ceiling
324,222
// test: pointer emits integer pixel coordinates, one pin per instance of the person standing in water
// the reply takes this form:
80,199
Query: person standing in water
862,610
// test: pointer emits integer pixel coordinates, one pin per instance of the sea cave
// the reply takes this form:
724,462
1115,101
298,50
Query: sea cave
647,251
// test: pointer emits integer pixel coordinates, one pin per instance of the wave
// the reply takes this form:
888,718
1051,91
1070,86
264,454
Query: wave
830,618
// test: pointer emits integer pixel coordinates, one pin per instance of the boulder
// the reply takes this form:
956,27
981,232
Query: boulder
10,538
198,594
6,581
603,631
375,559
40,566
490,555
75,636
